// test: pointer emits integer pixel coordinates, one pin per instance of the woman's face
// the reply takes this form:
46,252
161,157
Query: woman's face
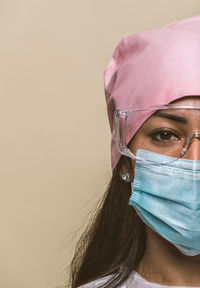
166,132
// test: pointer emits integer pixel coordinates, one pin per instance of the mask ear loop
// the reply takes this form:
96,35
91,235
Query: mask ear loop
188,142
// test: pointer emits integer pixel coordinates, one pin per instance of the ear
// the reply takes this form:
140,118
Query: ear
127,167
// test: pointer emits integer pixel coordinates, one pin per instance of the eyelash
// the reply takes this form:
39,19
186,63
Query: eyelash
154,134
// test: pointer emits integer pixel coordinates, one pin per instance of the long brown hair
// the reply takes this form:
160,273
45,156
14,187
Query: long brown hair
115,239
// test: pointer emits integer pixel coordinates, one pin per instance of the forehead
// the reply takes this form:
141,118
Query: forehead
187,100
179,116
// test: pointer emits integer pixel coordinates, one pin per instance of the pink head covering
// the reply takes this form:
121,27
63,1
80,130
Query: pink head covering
152,67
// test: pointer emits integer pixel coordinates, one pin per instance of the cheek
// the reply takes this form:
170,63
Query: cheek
133,164
134,144
132,169
138,142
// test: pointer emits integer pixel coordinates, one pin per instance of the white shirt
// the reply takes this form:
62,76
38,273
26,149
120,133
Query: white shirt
134,281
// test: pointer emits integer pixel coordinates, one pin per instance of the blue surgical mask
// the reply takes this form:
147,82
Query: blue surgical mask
166,195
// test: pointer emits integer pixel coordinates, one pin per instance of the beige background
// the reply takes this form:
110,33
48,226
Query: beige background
55,138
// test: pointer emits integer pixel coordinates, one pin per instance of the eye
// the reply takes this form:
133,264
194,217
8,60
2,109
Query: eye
164,135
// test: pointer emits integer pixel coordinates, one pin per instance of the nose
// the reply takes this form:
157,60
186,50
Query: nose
193,151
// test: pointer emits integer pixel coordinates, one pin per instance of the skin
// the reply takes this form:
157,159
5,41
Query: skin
162,262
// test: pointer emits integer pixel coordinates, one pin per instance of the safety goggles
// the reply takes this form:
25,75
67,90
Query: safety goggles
167,129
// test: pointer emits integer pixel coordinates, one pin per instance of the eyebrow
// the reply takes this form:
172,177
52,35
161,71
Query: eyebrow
173,117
